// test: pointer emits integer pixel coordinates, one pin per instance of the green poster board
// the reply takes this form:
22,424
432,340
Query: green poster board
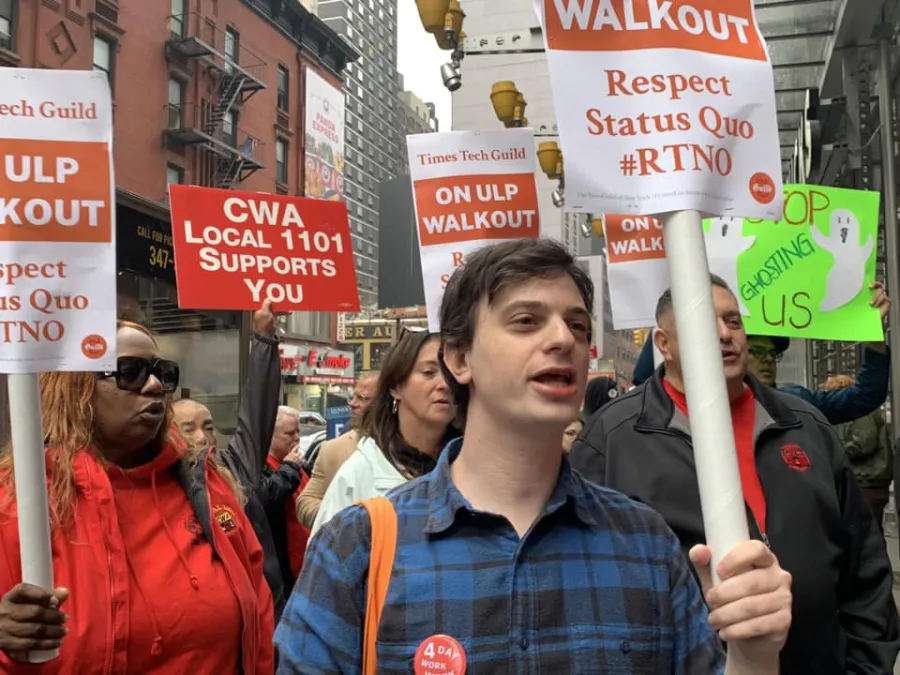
807,275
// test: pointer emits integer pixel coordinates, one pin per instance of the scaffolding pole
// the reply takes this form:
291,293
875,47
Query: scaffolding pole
891,236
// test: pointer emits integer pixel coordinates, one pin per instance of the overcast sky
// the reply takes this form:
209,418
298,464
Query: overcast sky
420,60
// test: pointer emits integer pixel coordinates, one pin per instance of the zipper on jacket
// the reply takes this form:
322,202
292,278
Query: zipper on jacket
112,610
678,434
762,535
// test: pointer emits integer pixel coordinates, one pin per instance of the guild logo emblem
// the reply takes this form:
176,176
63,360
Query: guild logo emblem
225,518
795,457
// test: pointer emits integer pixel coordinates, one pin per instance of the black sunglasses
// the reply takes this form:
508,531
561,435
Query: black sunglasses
760,353
132,373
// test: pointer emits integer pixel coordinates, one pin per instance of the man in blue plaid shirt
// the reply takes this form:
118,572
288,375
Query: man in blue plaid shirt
529,567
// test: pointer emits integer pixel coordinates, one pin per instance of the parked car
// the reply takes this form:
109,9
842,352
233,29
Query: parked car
308,417
308,435
311,451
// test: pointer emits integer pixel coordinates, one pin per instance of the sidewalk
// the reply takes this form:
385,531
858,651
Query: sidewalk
893,547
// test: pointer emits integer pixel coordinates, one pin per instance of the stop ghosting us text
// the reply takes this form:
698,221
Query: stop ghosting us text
782,259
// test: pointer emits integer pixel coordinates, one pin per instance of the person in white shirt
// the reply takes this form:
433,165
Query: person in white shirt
404,430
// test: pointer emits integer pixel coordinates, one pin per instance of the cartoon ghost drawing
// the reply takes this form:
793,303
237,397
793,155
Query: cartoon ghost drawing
725,242
847,277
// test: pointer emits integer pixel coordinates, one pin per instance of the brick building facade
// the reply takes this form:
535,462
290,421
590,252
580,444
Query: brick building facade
206,92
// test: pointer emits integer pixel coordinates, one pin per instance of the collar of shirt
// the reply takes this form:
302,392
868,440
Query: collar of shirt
445,501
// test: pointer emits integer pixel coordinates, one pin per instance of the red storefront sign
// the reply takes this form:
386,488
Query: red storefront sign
316,364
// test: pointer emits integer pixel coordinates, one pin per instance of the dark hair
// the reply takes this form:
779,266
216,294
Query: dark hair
488,272
380,423
664,304
599,392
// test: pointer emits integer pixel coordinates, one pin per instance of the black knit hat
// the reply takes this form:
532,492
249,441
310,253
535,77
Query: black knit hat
781,344
600,391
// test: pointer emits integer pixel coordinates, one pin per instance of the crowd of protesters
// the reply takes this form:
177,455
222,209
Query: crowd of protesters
487,497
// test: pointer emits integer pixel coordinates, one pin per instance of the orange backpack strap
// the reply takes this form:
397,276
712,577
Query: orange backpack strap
381,563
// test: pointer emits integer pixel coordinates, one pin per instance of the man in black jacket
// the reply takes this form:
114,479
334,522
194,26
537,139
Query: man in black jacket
245,455
799,488
281,478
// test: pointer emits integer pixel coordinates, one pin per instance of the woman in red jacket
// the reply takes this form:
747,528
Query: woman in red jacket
158,569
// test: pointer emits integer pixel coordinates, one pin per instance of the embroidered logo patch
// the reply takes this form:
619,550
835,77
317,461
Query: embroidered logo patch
795,457
224,516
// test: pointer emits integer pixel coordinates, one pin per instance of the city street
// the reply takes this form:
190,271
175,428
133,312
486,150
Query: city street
893,547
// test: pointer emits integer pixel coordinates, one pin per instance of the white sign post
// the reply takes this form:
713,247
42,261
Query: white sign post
32,504
57,267
678,118
715,453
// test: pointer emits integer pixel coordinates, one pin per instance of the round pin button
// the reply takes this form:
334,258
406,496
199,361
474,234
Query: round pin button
440,655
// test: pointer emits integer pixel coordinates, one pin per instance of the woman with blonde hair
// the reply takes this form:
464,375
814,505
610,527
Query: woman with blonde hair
403,431
158,569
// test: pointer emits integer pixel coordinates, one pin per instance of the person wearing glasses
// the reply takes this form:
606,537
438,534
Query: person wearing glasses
335,452
867,394
504,559
404,430
157,568
797,486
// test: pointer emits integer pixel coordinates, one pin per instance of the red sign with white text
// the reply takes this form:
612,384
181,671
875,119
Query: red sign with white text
234,250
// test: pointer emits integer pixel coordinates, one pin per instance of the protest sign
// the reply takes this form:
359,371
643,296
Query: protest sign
806,275
663,106
57,232
471,188
234,250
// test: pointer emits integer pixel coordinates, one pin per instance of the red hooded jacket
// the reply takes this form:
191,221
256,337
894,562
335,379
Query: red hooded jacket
164,571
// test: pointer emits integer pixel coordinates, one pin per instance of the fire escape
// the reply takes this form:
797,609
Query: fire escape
233,74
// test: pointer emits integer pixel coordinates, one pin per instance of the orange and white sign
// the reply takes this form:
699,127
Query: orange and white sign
636,267
664,106
471,188
57,222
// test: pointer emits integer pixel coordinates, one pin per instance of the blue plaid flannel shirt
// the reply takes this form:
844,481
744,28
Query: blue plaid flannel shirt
598,585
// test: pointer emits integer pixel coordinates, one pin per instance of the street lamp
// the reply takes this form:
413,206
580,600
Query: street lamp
592,225
509,104
550,159
585,230
444,20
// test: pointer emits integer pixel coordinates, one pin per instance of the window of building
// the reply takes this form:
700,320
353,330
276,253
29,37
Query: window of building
176,20
104,52
176,103
174,174
229,128
312,325
232,47
7,24
281,168
284,88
